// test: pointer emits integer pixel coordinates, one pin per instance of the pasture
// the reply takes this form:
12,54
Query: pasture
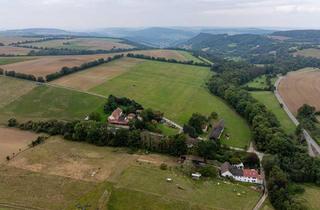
84,44
84,80
178,91
45,102
13,141
311,52
8,50
45,65
12,89
111,178
301,87
271,102
29,190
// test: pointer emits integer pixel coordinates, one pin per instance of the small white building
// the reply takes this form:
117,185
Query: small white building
240,174
196,176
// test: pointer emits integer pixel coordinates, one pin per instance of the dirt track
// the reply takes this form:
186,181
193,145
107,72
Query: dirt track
302,87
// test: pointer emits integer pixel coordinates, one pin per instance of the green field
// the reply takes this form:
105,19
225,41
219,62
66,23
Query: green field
178,91
310,197
9,60
260,82
190,57
311,52
271,102
45,102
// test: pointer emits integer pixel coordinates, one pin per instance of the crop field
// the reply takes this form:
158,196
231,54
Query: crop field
270,101
6,40
12,141
301,87
111,178
45,102
84,44
10,60
169,54
12,89
92,77
178,91
49,64
8,50
309,53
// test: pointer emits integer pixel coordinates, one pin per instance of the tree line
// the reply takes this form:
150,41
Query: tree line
19,43
171,60
21,76
289,161
70,70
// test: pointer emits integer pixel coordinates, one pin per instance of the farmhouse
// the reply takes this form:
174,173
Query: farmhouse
217,131
118,118
239,174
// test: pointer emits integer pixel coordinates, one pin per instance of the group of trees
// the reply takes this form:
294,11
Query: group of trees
291,158
45,51
21,75
171,60
127,105
44,39
307,116
195,125
70,70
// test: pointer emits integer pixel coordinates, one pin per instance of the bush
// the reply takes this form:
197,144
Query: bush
12,122
208,171
163,166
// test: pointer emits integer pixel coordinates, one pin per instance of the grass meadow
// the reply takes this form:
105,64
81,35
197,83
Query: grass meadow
9,60
45,102
178,91
271,102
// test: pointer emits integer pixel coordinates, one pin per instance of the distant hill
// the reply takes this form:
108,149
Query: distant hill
300,35
235,45
36,32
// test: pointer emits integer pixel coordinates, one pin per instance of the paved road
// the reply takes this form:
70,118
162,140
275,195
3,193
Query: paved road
313,147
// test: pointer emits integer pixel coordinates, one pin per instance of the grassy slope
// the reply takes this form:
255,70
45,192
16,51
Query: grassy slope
9,60
39,190
260,82
268,99
190,57
311,196
198,195
309,53
53,103
178,91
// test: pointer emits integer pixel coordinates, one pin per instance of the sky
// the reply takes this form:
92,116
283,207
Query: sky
92,14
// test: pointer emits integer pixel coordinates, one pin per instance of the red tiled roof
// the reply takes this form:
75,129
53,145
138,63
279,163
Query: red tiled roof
251,173
117,113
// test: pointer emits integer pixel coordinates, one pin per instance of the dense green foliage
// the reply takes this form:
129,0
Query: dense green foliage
195,125
171,60
66,70
292,162
127,105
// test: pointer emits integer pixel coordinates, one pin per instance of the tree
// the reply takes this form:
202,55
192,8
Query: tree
307,112
197,121
207,149
208,171
177,145
191,131
95,116
12,122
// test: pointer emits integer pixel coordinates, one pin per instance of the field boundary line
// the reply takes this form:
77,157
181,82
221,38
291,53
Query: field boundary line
313,147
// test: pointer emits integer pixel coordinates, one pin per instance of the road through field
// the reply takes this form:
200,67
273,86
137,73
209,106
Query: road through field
313,147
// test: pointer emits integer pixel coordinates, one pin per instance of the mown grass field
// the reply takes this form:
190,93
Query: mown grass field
178,91
260,82
310,197
45,102
12,89
271,102
9,60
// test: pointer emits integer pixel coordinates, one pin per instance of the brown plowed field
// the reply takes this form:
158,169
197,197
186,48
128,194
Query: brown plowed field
8,50
13,140
301,87
92,77
50,64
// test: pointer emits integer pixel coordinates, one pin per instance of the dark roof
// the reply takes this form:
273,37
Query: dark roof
233,170
217,130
